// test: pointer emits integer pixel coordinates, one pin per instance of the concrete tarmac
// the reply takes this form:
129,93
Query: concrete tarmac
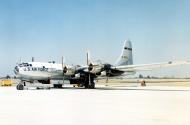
151,105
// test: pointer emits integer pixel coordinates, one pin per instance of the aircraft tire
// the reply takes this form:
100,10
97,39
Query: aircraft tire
57,85
92,86
20,87
86,86
89,86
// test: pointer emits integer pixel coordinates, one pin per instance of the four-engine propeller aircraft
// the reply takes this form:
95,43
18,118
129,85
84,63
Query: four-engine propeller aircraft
84,75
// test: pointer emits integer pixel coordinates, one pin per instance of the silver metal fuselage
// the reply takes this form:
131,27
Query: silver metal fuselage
39,71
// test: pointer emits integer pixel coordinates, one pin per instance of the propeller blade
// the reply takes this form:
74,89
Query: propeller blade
20,61
87,58
63,69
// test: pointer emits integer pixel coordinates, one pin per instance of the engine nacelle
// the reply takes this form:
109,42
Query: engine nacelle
96,69
77,75
69,71
103,73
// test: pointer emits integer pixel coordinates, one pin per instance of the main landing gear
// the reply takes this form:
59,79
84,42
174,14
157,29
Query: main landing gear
86,80
89,83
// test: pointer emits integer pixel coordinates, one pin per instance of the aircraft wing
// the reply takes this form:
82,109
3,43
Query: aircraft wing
144,67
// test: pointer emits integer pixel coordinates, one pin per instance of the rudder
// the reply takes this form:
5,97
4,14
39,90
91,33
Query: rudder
126,57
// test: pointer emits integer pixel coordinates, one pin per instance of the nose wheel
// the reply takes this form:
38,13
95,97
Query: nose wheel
20,86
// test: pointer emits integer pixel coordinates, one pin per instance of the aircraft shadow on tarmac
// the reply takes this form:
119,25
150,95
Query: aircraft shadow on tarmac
126,89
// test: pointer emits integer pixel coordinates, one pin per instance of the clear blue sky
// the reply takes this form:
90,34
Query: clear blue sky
48,29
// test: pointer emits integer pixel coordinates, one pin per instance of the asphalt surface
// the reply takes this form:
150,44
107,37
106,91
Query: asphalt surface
155,105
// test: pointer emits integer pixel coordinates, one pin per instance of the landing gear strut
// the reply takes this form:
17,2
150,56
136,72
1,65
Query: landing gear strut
89,86
86,80
89,82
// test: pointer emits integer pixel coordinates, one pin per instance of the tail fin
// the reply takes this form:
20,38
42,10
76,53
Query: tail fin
126,57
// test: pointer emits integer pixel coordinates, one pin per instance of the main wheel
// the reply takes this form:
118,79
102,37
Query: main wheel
92,85
89,84
57,85
20,86
86,85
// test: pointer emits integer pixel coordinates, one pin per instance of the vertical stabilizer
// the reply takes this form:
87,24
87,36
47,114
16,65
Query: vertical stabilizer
126,57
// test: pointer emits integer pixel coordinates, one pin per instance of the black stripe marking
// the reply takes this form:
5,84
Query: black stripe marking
126,48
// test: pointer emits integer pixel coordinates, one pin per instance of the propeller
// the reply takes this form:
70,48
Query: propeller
63,68
89,66
88,62
87,57
20,60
